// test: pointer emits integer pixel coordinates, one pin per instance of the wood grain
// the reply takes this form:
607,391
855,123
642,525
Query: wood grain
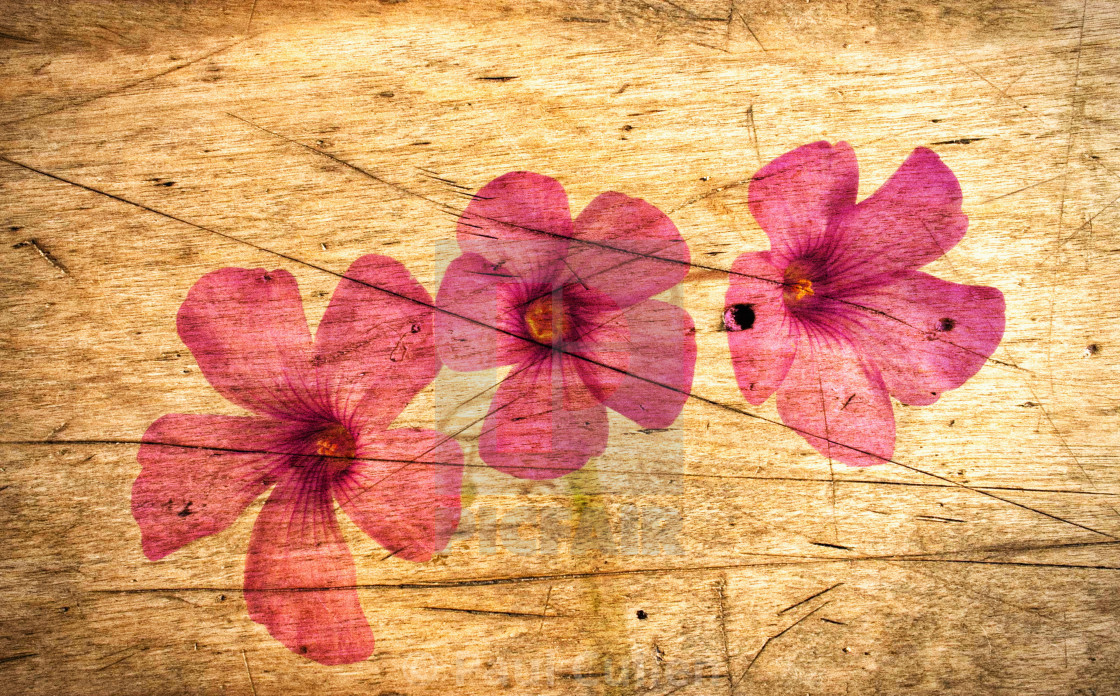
147,143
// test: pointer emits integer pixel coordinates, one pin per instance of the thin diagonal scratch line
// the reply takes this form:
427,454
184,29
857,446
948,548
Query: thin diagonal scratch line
810,598
772,638
248,28
127,86
1020,190
252,684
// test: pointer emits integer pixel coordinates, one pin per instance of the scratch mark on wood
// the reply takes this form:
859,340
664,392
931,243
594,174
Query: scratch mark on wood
753,130
17,656
774,637
47,256
720,585
136,650
544,611
13,37
958,141
127,86
245,658
1020,190
753,35
248,28
712,192
344,163
831,546
520,614
997,89
810,598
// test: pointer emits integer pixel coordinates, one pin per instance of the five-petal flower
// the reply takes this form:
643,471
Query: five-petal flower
568,304
836,316
320,434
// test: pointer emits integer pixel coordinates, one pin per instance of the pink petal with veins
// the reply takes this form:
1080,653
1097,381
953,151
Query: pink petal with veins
299,575
247,331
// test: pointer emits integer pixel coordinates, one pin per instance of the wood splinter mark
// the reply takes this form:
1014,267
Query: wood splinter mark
34,244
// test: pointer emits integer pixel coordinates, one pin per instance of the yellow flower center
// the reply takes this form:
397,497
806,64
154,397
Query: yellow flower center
800,288
798,282
546,319
337,443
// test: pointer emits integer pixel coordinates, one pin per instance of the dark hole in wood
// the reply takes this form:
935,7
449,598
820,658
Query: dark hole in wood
739,317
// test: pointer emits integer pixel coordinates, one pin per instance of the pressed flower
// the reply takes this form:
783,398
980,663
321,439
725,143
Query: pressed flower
568,305
835,318
320,435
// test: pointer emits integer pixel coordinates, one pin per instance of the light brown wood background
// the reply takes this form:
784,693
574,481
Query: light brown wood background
995,571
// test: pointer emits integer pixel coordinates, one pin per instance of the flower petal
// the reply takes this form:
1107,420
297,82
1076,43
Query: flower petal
476,316
247,331
795,196
529,434
299,574
930,335
519,222
662,360
199,473
627,249
914,218
597,355
761,333
407,505
374,349
837,402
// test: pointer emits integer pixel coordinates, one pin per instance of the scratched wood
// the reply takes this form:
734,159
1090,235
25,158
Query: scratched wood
994,570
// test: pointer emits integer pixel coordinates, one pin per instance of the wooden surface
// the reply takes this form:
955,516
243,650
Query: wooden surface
990,566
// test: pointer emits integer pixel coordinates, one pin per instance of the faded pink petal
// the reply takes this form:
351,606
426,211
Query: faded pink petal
374,349
838,402
662,358
795,196
760,332
299,575
914,218
597,356
519,222
651,258
529,434
476,325
198,473
934,336
402,489
248,333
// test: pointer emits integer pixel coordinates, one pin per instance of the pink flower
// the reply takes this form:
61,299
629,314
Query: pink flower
568,305
319,435
836,315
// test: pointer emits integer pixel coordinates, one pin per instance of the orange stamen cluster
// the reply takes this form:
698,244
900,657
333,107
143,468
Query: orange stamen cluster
544,322
798,283
337,443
